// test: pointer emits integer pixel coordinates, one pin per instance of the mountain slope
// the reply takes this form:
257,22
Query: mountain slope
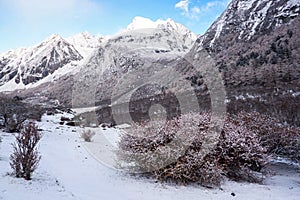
246,20
29,65
105,60
127,53
256,46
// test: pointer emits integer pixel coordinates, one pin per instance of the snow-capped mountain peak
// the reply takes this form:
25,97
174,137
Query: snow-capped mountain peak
168,24
29,65
55,37
55,41
143,23
50,41
85,42
84,39
160,35
140,23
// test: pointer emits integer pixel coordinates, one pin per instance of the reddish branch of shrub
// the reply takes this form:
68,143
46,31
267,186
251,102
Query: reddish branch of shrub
25,157
241,150
280,140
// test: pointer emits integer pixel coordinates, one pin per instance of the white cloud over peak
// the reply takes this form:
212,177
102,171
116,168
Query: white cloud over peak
184,5
186,11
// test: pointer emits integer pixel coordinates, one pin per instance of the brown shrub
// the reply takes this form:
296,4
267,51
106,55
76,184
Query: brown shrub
25,157
279,139
237,152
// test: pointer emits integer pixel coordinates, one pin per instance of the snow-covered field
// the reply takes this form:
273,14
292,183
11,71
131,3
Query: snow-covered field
68,171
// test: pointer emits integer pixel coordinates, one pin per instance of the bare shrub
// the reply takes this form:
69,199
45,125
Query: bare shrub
25,157
279,139
240,153
237,154
87,135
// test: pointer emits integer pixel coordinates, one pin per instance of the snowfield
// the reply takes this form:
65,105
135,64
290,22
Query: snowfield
68,171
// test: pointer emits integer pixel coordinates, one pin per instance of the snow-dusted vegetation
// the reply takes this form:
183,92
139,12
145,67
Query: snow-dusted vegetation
241,151
25,157
68,171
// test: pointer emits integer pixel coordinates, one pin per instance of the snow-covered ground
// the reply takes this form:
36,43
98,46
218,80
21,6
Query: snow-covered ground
68,171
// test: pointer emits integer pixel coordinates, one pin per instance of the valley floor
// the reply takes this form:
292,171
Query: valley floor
68,171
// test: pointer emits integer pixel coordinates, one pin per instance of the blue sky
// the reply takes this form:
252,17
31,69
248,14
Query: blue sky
28,22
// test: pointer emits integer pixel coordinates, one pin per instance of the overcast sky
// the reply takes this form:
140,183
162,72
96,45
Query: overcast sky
28,22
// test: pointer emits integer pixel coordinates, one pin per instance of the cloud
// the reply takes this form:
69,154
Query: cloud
186,11
196,10
184,5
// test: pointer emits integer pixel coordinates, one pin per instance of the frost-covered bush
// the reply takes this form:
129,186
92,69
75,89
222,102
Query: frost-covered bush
240,153
87,135
25,157
237,152
280,140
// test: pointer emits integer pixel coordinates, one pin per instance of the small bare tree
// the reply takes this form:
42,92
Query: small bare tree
25,157
87,135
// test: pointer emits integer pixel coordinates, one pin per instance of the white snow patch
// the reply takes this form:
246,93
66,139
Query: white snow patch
249,96
11,86
245,5
296,94
292,3
86,109
219,27
259,17
86,43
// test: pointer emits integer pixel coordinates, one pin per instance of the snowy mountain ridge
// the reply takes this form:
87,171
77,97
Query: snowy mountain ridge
25,67
248,17
28,65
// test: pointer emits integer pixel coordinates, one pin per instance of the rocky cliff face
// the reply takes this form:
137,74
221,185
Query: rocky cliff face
256,45
255,42
247,20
